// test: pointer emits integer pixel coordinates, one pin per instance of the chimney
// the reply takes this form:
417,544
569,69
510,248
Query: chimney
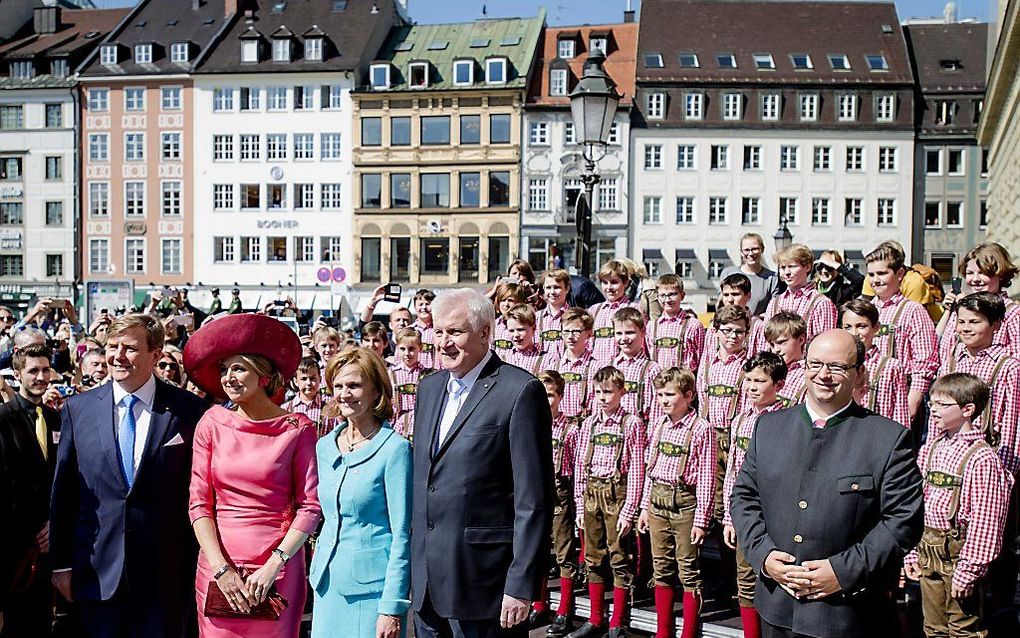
229,8
949,14
46,19
628,13
196,5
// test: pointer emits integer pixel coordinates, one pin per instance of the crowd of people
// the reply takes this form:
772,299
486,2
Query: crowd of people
170,471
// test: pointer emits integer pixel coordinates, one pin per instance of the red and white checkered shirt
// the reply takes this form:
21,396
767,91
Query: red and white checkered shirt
1003,408
792,392
536,359
548,323
719,393
428,358
740,437
886,392
640,399
1007,335
564,440
813,306
501,343
604,346
578,391
912,340
984,499
676,341
755,340
405,395
606,435
699,472
311,410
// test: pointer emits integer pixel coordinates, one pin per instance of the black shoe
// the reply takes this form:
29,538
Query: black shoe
588,630
561,626
537,619
617,632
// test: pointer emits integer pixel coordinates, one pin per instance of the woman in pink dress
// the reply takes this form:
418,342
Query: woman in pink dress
254,475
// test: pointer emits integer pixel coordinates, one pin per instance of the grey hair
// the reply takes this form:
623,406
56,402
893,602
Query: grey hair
28,336
481,312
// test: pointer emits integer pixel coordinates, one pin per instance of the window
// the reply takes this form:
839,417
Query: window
732,106
331,247
764,61
656,106
801,61
54,265
99,256
276,98
330,197
568,134
750,211
694,106
770,106
809,107
955,162
820,211
223,148
99,147
470,190
99,199
418,75
179,52
134,147
538,134
400,131
652,60
607,197
170,256
499,129
726,60
276,196
653,156
853,211
134,99
380,76
887,159
223,197
720,157
983,214
752,158
371,131
977,106
331,96
932,214
685,157
599,43
715,268
12,117
945,112
684,209
400,190
371,190
495,71
933,161
464,72
499,188
954,214
22,69
108,54
251,196
281,50
10,169
54,167
788,210
251,148
329,146
653,210
12,265
313,49
435,129
435,190
304,196
538,194
877,62
565,48
170,98
12,213
304,249
304,98
470,129
251,249
688,60
847,108
276,248
171,199
143,54
251,98
854,159
134,199
885,108
984,162
99,100
223,100
718,210
886,212
171,144
614,134
435,256
134,256
304,146
789,158
823,158
54,116
839,62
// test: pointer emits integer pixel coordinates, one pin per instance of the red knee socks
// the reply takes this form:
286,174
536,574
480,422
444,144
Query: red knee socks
692,608
597,593
540,603
665,625
751,621
566,607
619,607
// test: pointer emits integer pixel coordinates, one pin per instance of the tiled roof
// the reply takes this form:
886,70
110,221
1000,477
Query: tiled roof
949,57
79,28
778,28
440,44
619,64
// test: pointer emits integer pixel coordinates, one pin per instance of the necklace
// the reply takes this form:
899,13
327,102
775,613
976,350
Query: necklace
351,443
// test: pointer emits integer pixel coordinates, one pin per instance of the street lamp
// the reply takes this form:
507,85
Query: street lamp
783,236
593,105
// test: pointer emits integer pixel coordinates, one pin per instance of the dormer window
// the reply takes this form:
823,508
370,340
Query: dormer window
688,60
558,82
379,76
950,65
801,61
250,51
495,71
764,61
839,62
566,48
22,69
313,49
726,60
418,75
179,53
59,68
143,54
108,54
281,50
463,72
598,42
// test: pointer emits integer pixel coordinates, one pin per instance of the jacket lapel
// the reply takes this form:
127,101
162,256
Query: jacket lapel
485,382
432,412
106,424
159,424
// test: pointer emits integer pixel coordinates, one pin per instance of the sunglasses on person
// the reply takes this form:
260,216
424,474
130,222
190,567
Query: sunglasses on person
167,365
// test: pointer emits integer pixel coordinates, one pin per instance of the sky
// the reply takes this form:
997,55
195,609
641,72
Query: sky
563,12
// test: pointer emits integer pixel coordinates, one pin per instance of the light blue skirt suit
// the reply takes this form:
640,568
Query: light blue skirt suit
361,566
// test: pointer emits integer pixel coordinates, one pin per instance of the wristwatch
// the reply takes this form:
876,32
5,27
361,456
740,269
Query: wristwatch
221,571
282,554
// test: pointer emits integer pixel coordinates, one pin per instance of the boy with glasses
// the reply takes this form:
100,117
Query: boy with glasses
675,339
577,366
735,290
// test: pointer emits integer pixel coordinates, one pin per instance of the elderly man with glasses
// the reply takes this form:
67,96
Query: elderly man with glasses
827,504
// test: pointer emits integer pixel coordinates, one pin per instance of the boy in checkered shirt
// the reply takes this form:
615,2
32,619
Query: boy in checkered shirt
423,324
886,390
795,264
308,400
508,295
405,374
786,334
615,278
676,503
326,343
577,365
549,320
637,368
735,290
676,338
966,497
907,332
608,478
527,353
764,374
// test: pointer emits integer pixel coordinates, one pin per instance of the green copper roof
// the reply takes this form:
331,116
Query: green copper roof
440,44
38,82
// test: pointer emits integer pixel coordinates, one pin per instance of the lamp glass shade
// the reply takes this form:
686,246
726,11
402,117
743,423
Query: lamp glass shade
593,103
783,238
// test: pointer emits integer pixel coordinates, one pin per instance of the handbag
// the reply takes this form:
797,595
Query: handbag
217,606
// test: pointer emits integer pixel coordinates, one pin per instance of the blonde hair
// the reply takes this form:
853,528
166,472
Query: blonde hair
797,253
155,336
579,315
373,372
265,369
325,333
522,313
614,268
407,334
682,378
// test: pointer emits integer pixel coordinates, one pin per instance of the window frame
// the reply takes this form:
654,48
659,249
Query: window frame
503,64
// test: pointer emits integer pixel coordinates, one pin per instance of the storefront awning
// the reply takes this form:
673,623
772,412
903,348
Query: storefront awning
651,254
719,254
685,254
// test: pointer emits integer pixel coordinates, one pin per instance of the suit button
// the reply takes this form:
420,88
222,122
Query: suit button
802,505
432,488
855,486
430,525
798,539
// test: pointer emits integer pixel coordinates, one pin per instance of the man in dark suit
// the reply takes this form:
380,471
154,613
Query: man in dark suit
483,482
29,432
826,505
121,544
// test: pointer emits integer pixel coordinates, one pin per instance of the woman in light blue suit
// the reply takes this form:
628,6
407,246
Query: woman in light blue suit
361,568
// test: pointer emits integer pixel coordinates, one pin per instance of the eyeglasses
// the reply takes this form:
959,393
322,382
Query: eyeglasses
7,319
167,365
570,332
836,369
940,405
732,332
669,295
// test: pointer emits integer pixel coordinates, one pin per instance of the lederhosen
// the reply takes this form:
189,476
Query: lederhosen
669,342
722,433
564,541
603,500
546,336
537,368
745,573
638,388
874,383
605,332
671,516
582,378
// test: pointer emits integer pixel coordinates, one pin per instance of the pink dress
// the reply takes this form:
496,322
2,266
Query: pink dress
256,479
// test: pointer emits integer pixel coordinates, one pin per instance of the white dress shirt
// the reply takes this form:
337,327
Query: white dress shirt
814,416
142,410
457,391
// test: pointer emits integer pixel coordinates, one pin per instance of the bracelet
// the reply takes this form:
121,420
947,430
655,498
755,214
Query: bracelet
221,571
282,554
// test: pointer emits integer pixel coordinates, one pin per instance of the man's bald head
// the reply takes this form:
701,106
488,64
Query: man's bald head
832,369
840,339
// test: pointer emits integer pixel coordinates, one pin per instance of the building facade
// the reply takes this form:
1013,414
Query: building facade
746,122
552,163
951,183
273,143
437,152
38,148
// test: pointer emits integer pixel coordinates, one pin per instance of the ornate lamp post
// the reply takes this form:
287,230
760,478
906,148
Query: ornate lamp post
783,236
593,105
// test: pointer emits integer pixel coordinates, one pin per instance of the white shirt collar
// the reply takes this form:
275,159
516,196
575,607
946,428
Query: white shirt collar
146,394
468,380
815,416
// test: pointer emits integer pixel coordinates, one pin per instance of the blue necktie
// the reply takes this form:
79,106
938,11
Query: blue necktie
126,439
